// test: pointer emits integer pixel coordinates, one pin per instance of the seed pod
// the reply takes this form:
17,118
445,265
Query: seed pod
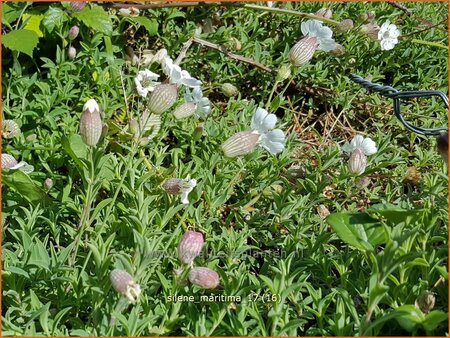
10,129
124,284
8,161
73,32
371,30
345,25
162,98
77,5
240,144
71,53
357,162
338,50
204,278
425,302
190,246
442,145
303,50
229,90
91,123
185,110
324,12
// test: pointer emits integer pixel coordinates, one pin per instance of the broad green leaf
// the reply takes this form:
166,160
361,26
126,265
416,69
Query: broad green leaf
151,25
21,40
433,320
96,18
76,148
33,22
410,317
18,271
39,255
397,215
10,14
23,184
53,17
357,229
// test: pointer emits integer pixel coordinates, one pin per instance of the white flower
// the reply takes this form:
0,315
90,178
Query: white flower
177,75
91,106
323,34
196,96
388,35
187,186
270,139
359,142
145,82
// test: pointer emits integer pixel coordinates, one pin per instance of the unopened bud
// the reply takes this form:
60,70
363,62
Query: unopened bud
77,6
31,138
48,183
8,161
162,98
338,50
185,110
240,144
124,284
190,246
134,127
442,145
345,25
73,32
71,53
371,30
198,132
303,50
234,43
204,278
283,73
367,17
357,162
324,12
130,11
91,123
425,302
364,182
10,129
229,90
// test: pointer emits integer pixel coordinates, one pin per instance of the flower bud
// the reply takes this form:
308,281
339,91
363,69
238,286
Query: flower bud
371,30
364,182
442,145
162,98
283,73
204,278
198,132
338,50
150,122
8,161
31,138
234,43
48,183
130,11
367,17
124,284
71,53
10,129
190,246
322,211
77,6
324,12
240,144
229,90
185,110
425,302
303,50
345,25
91,125
134,127
357,162
73,32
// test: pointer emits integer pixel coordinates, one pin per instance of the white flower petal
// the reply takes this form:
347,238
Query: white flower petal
273,141
257,123
368,146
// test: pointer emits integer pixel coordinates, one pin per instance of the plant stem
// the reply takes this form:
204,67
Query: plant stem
429,43
269,101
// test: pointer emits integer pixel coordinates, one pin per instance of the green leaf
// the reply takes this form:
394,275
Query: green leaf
33,22
96,18
21,40
53,17
39,255
434,319
151,25
76,148
18,271
357,229
410,317
396,214
10,14
23,184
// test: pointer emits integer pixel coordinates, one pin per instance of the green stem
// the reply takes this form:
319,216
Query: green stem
289,11
429,43
269,101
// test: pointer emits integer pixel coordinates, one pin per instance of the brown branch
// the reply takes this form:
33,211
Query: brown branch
224,51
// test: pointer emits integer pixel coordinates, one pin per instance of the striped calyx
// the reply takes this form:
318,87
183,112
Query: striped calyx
303,50
91,123
162,98
240,144
204,278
